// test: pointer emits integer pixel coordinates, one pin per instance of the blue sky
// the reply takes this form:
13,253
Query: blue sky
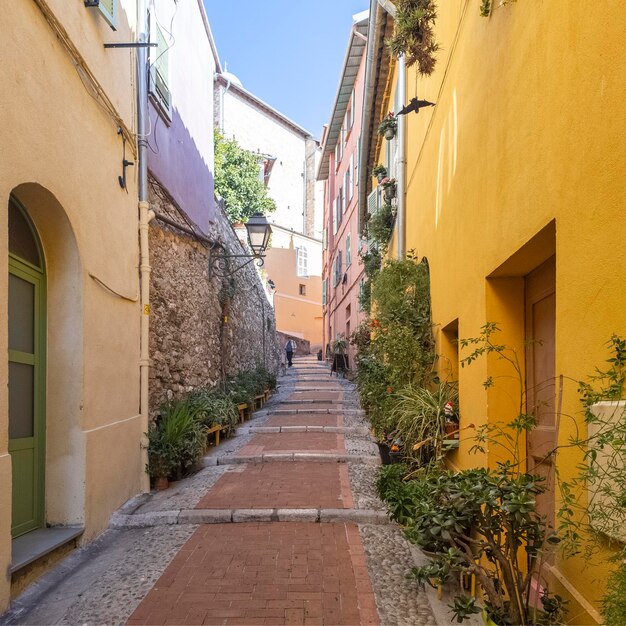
287,52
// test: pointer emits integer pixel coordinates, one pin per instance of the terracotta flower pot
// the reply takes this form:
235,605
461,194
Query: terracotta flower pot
161,483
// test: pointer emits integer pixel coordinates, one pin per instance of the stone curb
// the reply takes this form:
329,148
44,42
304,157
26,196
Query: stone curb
120,521
348,430
319,411
288,457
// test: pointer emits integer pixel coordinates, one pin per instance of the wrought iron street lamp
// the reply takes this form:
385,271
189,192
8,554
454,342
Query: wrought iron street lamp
224,264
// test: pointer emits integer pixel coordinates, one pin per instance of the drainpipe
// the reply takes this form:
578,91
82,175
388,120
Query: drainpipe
145,215
401,178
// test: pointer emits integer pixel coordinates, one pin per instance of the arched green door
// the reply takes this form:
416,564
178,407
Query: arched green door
27,359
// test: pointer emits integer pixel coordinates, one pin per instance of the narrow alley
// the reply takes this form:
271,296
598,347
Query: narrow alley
281,526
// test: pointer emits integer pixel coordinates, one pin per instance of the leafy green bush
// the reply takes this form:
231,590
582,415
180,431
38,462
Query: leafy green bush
175,441
214,407
614,601
380,226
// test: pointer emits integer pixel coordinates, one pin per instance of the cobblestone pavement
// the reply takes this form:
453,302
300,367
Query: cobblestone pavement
282,525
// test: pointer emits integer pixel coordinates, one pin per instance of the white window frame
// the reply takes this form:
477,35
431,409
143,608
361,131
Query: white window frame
159,83
302,261
324,291
348,250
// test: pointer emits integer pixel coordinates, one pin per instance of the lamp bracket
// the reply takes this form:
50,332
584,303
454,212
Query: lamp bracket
220,263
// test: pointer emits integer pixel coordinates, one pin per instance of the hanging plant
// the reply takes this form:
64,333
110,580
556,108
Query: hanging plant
389,188
388,127
380,171
414,34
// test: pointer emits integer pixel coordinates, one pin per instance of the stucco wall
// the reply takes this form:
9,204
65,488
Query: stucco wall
510,148
296,313
190,347
65,159
342,313
182,146
258,131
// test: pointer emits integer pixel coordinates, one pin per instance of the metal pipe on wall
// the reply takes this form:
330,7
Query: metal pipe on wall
401,164
145,215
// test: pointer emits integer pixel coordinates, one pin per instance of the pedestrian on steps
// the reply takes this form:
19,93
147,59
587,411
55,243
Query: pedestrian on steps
290,348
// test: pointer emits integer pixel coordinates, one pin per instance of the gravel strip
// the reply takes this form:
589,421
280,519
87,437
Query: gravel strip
103,582
399,600
363,485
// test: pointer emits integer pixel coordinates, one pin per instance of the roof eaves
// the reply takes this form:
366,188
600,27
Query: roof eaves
351,64
268,108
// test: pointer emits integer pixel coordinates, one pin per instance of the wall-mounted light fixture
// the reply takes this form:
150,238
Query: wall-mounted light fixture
225,264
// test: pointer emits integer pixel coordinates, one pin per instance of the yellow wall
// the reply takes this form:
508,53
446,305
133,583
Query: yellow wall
527,134
62,157
295,314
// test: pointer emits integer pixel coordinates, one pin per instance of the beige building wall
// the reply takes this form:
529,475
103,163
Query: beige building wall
298,314
63,156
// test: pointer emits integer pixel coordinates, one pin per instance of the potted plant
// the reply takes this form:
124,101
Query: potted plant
389,188
380,171
388,127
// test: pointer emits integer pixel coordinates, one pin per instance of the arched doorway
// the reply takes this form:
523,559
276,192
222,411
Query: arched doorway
27,367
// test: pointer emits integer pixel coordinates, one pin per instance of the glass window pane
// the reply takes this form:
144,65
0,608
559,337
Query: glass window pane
21,400
21,240
21,315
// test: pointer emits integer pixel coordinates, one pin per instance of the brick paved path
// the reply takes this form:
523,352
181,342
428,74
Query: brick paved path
275,572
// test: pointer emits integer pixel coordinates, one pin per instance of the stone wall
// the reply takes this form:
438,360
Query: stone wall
201,329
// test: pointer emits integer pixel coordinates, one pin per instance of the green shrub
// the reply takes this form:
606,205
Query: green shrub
175,441
214,407
614,601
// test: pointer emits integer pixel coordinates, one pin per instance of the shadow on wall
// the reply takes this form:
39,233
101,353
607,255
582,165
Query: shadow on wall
175,161
303,345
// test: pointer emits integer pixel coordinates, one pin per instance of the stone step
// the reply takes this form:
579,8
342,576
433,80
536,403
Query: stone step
320,411
234,516
354,430
289,457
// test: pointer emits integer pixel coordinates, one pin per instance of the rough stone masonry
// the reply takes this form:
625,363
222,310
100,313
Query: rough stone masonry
202,330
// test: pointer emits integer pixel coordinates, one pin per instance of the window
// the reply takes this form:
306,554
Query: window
160,68
338,210
302,261
339,148
348,253
108,9
361,293
325,239
356,161
348,182
324,291
337,273
302,290
348,328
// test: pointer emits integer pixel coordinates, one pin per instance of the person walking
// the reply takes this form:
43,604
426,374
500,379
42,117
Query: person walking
290,348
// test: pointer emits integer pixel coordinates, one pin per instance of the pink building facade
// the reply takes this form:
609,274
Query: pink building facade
342,271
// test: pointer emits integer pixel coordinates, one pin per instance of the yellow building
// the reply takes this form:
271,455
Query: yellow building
70,423
513,191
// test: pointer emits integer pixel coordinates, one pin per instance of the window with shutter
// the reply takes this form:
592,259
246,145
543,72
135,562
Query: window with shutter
325,239
108,9
348,251
160,68
348,183
324,291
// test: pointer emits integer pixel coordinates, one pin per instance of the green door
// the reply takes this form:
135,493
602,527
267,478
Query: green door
26,372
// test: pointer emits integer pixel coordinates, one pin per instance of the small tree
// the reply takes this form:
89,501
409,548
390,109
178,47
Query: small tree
237,180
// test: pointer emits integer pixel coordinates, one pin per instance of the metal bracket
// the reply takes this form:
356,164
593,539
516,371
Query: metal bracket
136,44
219,263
